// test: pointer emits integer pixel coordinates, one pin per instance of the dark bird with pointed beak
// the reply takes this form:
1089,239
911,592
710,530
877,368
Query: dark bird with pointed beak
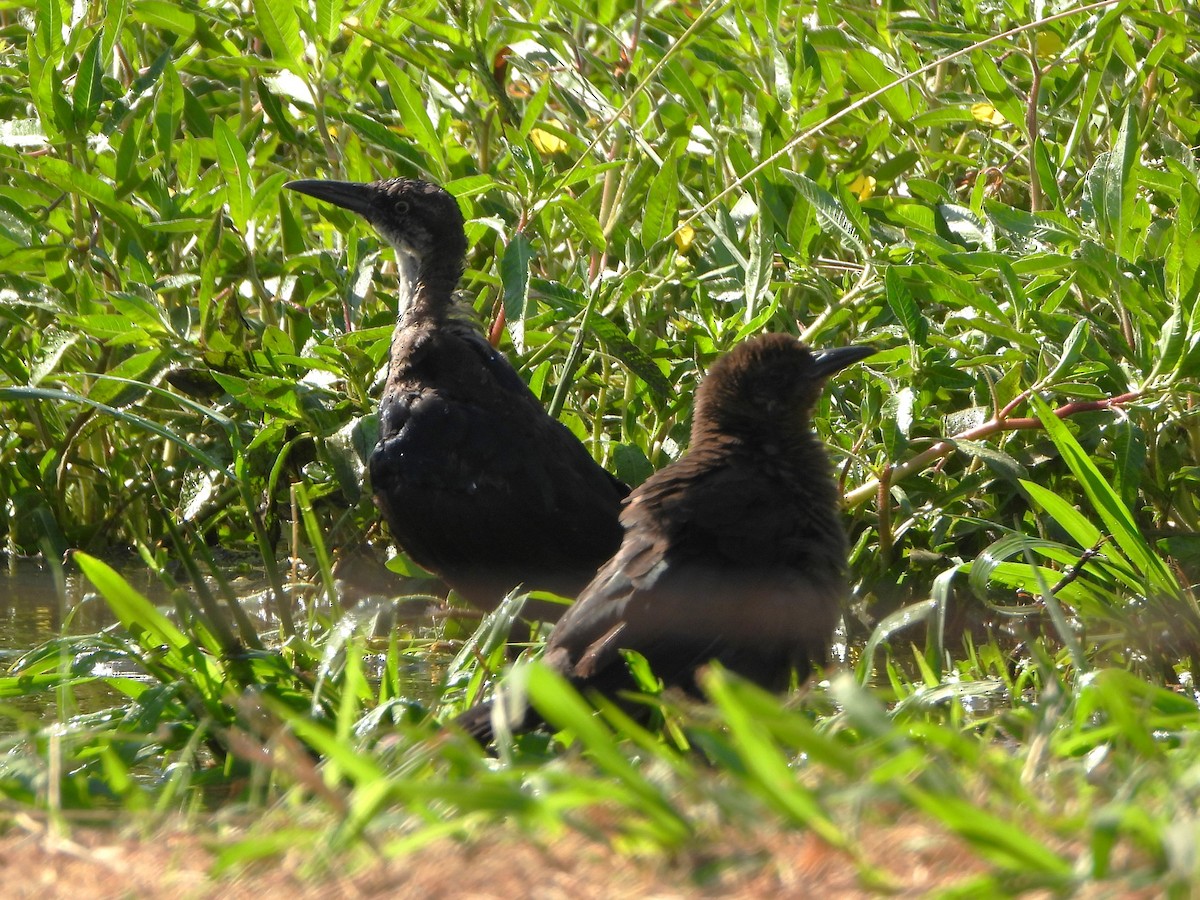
733,553
477,483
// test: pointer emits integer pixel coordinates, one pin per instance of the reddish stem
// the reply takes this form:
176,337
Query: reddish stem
998,423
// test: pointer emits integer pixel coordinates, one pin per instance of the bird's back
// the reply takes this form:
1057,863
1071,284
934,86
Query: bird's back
477,482
729,554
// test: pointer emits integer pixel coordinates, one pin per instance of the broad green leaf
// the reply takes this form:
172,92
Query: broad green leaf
1071,352
1116,517
997,90
662,203
870,74
904,307
86,96
992,836
581,217
615,341
168,110
383,137
115,12
829,211
153,630
73,180
280,26
514,275
760,264
235,169
140,422
55,343
769,769
165,16
562,706
1108,190
910,614
1170,347
329,19
410,103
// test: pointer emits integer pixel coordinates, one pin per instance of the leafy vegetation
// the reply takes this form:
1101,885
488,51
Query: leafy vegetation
1006,206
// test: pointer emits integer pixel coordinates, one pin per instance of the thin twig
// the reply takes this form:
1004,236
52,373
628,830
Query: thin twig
996,424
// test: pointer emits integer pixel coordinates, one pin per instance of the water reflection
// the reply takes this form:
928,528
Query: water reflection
35,607
41,604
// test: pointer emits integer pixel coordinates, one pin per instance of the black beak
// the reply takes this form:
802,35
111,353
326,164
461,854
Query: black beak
352,195
828,362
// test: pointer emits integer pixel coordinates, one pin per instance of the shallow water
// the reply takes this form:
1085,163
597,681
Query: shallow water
40,604
35,606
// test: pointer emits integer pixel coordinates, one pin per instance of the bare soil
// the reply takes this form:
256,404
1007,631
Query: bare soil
94,862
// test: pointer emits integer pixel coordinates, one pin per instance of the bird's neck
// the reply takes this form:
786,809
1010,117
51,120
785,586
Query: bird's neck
752,434
426,288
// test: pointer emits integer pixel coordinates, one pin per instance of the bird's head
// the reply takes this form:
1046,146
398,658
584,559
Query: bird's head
768,383
419,219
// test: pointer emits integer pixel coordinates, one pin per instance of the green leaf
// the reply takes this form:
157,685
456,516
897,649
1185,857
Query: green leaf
165,16
72,180
154,631
992,836
383,137
1113,513
563,708
514,275
869,72
760,264
910,614
830,212
86,96
614,339
29,393
280,27
45,86
1047,175
581,217
168,110
1108,189
47,36
115,12
767,767
329,19
662,203
410,103
1171,345
904,307
997,89
235,167
1071,352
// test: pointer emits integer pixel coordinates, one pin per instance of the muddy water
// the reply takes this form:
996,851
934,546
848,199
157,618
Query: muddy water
41,604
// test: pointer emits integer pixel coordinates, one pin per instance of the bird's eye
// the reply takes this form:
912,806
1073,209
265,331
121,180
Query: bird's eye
402,207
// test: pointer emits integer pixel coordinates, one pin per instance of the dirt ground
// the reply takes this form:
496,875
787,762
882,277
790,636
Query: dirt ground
98,863
912,859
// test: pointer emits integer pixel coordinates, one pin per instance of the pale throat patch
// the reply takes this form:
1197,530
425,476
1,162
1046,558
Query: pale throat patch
407,270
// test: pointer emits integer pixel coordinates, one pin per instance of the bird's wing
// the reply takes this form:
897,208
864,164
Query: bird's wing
717,571
748,515
480,485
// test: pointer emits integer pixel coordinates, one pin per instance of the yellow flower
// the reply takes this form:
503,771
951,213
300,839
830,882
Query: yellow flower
684,236
864,187
986,114
547,143
1048,43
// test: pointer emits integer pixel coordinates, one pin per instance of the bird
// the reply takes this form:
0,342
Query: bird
734,553
477,482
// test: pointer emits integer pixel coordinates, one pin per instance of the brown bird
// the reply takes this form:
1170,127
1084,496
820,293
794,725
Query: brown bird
733,553
477,483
